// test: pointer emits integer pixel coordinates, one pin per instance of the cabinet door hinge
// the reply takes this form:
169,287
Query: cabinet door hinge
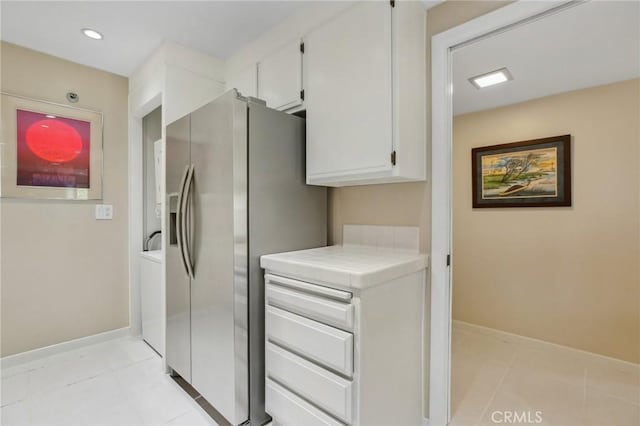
302,47
302,94
393,3
393,158
448,260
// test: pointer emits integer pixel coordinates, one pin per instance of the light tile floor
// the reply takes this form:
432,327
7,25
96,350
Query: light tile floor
120,382
495,373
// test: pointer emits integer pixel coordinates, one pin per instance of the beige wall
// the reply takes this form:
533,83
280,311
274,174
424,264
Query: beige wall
64,274
565,275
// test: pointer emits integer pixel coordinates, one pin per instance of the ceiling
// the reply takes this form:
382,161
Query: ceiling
134,29
591,44
588,45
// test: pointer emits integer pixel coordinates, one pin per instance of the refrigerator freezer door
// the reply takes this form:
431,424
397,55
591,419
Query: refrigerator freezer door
178,345
219,332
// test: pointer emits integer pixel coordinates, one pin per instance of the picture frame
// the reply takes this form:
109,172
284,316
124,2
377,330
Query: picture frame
532,173
50,150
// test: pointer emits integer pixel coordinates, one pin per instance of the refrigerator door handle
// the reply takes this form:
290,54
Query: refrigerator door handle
180,217
186,252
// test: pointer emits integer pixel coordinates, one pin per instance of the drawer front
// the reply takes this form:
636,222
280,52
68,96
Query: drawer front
315,384
332,312
326,345
318,290
289,410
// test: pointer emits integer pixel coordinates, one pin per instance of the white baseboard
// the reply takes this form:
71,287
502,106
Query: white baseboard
530,340
35,354
425,422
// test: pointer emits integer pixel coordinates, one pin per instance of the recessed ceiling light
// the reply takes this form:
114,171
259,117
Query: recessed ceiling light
92,33
491,78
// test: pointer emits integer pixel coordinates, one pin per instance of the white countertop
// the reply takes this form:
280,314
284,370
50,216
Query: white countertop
153,255
352,266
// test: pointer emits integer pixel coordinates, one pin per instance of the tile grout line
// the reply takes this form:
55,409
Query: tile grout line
584,395
99,367
495,391
613,396
524,339
31,393
17,401
21,372
586,368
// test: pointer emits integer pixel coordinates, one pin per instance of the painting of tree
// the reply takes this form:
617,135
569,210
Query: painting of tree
522,173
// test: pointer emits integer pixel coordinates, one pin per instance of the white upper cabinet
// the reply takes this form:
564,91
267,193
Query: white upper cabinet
360,78
280,77
245,81
364,77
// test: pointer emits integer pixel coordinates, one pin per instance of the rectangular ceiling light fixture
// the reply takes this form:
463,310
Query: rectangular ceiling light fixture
491,78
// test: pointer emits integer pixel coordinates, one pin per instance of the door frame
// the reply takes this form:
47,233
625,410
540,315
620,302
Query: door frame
442,46
138,109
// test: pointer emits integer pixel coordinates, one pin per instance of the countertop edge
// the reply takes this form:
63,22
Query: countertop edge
342,278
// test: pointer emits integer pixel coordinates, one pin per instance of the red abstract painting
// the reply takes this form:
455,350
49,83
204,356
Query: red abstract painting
52,151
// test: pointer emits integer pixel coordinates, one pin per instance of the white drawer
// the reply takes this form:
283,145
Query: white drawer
315,384
320,290
323,309
289,410
326,345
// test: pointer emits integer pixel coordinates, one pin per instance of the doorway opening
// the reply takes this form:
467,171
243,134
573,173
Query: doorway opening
539,318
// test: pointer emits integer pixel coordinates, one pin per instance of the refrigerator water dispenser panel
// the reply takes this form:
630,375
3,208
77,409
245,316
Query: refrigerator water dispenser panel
172,200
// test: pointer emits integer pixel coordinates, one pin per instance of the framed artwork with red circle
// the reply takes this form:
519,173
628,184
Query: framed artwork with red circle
50,151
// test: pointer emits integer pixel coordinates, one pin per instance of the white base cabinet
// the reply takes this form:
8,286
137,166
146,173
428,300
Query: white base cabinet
339,355
152,311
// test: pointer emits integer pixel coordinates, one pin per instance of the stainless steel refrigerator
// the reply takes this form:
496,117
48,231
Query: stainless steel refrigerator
235,181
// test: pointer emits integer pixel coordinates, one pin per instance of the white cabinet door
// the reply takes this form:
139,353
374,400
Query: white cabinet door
348,95
280,77
246,81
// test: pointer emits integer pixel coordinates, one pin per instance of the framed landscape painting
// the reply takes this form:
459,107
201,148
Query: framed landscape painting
50,151
535,173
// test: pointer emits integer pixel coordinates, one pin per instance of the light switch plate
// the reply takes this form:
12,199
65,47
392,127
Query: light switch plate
104,211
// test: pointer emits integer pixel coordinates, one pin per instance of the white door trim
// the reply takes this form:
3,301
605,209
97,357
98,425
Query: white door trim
135,211
441,185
